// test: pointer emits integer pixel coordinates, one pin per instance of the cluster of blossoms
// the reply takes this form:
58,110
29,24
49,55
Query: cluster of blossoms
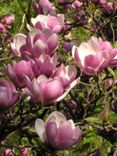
39,76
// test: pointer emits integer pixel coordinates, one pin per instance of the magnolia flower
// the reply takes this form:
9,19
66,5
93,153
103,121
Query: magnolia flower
44,90
47,90
6,22
77,4
44,65
57,131
44,7
66,73
8,19
54,23
102,2
67,45
8,152
8,95
18,70
34,44
93,56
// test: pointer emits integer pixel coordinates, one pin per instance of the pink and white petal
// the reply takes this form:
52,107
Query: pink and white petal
77,134
18,41
52,43
56,117
73,84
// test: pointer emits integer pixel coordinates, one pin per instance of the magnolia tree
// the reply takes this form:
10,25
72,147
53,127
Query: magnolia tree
58,92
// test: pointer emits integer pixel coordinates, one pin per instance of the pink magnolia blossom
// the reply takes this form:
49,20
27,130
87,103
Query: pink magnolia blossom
8,19
93,56
44,7
110,6
34,44
44,65
47,90
54,23
18,70
6,22
57,131
77,4
67,45
44,90
66,73
8,152
102,2
8,95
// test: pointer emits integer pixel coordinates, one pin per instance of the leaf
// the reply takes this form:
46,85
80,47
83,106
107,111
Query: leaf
93,120
111,71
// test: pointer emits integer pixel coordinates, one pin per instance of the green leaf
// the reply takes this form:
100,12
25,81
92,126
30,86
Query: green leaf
93,119
111,71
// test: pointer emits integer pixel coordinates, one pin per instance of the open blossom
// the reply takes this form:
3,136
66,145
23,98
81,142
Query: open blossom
44,7
57,131
77,4
47,90
54,23
8,95
18,70
44,90
66,73
93,56
34,44
44,65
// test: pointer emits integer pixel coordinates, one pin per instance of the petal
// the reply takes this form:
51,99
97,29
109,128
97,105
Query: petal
65,131
77,134
51,131
52,90
52,43
73,84
91,61
40,128
56,117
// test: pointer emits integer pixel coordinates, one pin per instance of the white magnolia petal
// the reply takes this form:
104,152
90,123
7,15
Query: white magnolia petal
40,128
